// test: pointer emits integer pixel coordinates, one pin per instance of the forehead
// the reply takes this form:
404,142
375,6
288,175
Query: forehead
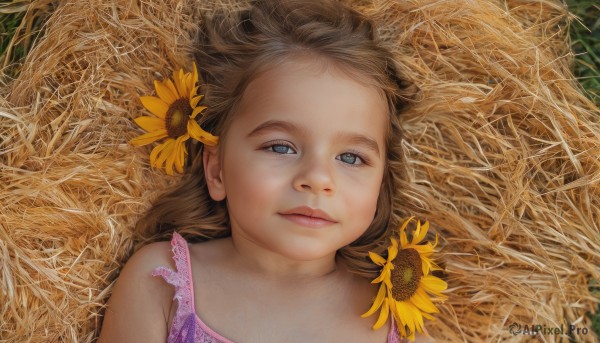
306,65
313,92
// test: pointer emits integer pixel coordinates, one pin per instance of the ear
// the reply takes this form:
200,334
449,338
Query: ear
213,172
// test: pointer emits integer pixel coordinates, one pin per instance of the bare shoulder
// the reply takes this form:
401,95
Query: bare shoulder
210,250
139,306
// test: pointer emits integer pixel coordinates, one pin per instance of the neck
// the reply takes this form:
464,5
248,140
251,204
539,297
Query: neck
255,258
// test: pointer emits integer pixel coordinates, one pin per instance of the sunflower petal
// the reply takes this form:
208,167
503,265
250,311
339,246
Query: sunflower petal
421,301
423,249
418,317
194,75
164,92
197,111
189,80
393,309
172,88
185,88
399,324
154,154
393,250
194,91
164,153
421,233
185,153
169,165
434,265
170,162
383,315
401,311
376,258
433,284
403,227
195,100
179,148
200,135
427,316
181,153
155,105
148,138
416,232
150,124
403,239
176,153
376,303
384,274
407,314
177,78
425,265
388,282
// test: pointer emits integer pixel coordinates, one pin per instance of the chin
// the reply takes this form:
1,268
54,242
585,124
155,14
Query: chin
303,251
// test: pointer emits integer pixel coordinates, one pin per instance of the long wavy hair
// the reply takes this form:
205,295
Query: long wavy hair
233,48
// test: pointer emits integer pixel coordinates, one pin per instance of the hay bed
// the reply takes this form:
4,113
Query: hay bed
502,149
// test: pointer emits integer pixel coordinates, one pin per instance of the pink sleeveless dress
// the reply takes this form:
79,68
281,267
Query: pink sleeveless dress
187,327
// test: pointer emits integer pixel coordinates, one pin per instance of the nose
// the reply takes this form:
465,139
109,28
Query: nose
315,175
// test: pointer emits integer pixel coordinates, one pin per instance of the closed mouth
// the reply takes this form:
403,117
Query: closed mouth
311,213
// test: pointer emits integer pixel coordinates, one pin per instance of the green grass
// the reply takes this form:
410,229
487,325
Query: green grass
595,318
19,31
8,27
585,37
585,42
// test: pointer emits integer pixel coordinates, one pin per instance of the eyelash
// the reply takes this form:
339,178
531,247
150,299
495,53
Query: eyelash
363,158
269,146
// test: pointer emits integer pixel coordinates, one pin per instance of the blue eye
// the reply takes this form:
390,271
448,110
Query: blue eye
350,158
282,149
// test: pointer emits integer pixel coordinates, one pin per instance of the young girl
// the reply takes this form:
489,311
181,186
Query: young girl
285,208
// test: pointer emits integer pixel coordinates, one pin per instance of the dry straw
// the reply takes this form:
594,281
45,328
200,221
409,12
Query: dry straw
502,149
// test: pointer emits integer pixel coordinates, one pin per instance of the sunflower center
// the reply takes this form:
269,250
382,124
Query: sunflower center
406,274
177,117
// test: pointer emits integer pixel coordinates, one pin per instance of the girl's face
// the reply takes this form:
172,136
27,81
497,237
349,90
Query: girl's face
302,162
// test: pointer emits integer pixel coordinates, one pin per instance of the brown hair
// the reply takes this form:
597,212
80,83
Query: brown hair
232,49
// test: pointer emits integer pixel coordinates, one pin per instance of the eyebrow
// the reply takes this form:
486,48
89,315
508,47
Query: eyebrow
273,124
359,139
354,138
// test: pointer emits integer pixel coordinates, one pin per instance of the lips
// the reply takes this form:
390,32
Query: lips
307,216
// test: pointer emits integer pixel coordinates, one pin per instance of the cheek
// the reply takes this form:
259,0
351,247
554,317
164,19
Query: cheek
247,183
362,203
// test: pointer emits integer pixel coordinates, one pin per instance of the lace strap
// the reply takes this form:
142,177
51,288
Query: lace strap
181,279
394,335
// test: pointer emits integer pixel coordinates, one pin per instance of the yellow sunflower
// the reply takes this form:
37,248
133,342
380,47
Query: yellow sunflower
406,282
175,110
